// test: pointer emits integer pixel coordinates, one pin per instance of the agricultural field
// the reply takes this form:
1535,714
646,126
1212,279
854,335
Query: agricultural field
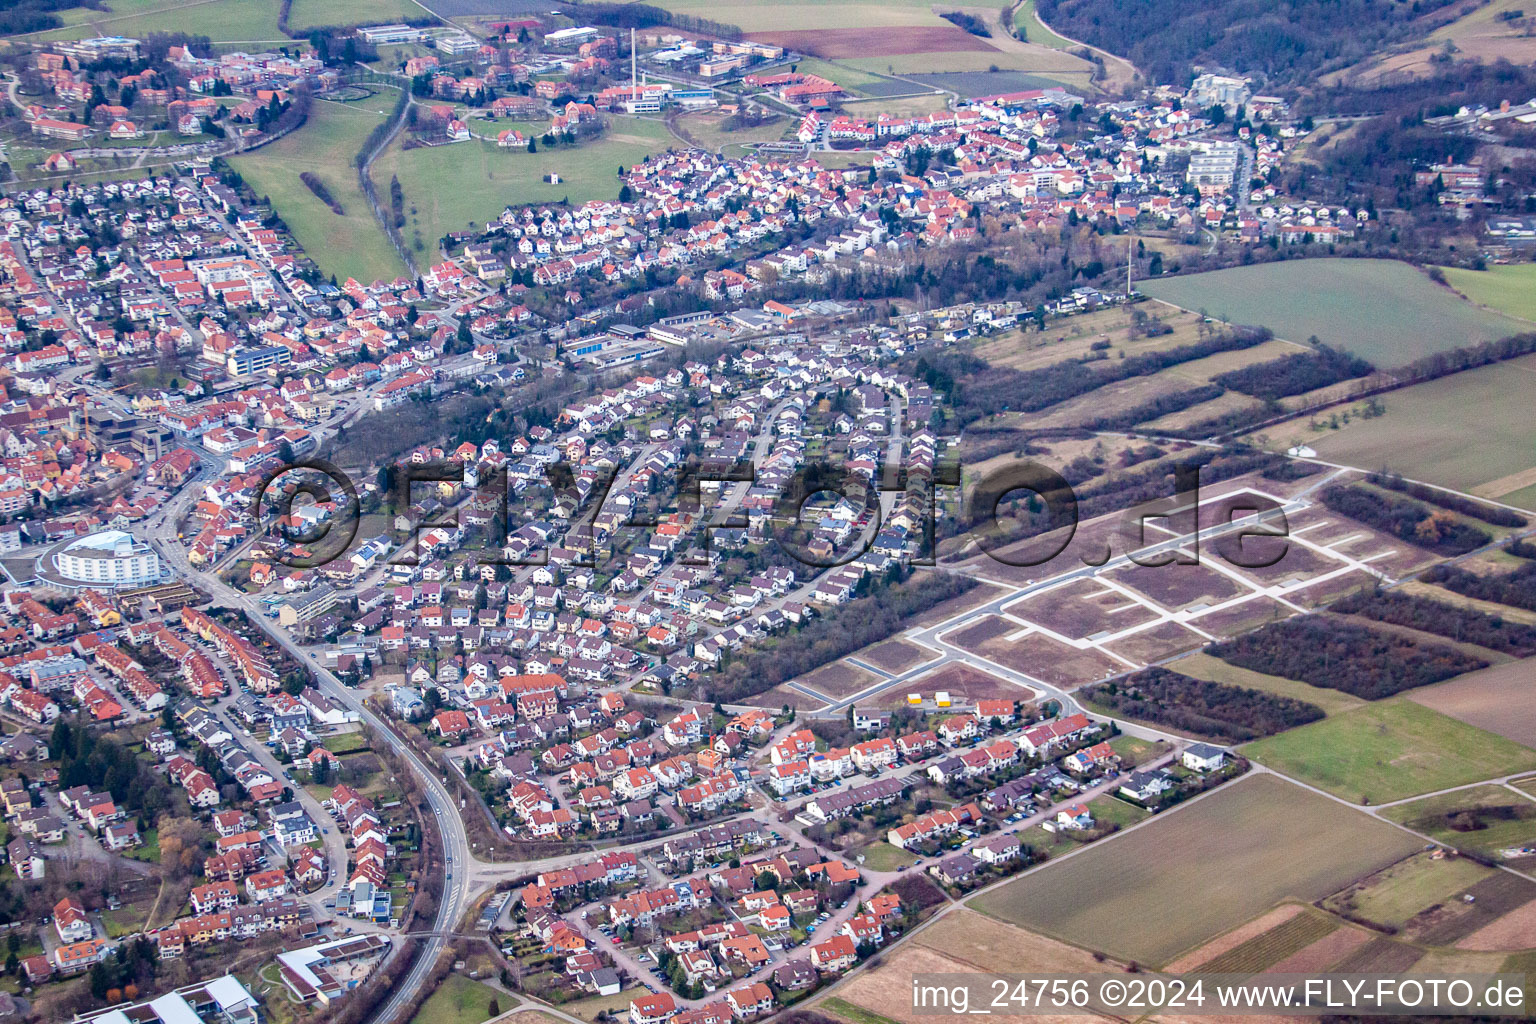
219,20
1388,751
1467,431
900,106
451,187
961,941
1242,934
307,14
1247,846
1381,310
890,37
1074,338
1263,951
351,245
1489,903
1486,819
756,16
1497,699
1509,289
989,82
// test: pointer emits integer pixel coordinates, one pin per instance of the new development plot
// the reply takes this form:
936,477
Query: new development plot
1388,751
838,679
894,656
1132,615
1382,310
964,684
1034,653
1243,848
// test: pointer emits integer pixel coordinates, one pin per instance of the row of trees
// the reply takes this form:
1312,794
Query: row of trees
1098,495
1447,620
1233,713
1342,656
1156,408
1516,589
1437,530
1450,500
978,389
1294,374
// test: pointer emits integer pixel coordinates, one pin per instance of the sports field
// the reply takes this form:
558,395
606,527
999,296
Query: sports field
1199,870
1470,431
452,187
847,77
1390,750
219,20
1382,310
1508,289
352,245
710,130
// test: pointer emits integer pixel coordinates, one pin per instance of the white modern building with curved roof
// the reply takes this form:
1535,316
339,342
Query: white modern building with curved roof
111,559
